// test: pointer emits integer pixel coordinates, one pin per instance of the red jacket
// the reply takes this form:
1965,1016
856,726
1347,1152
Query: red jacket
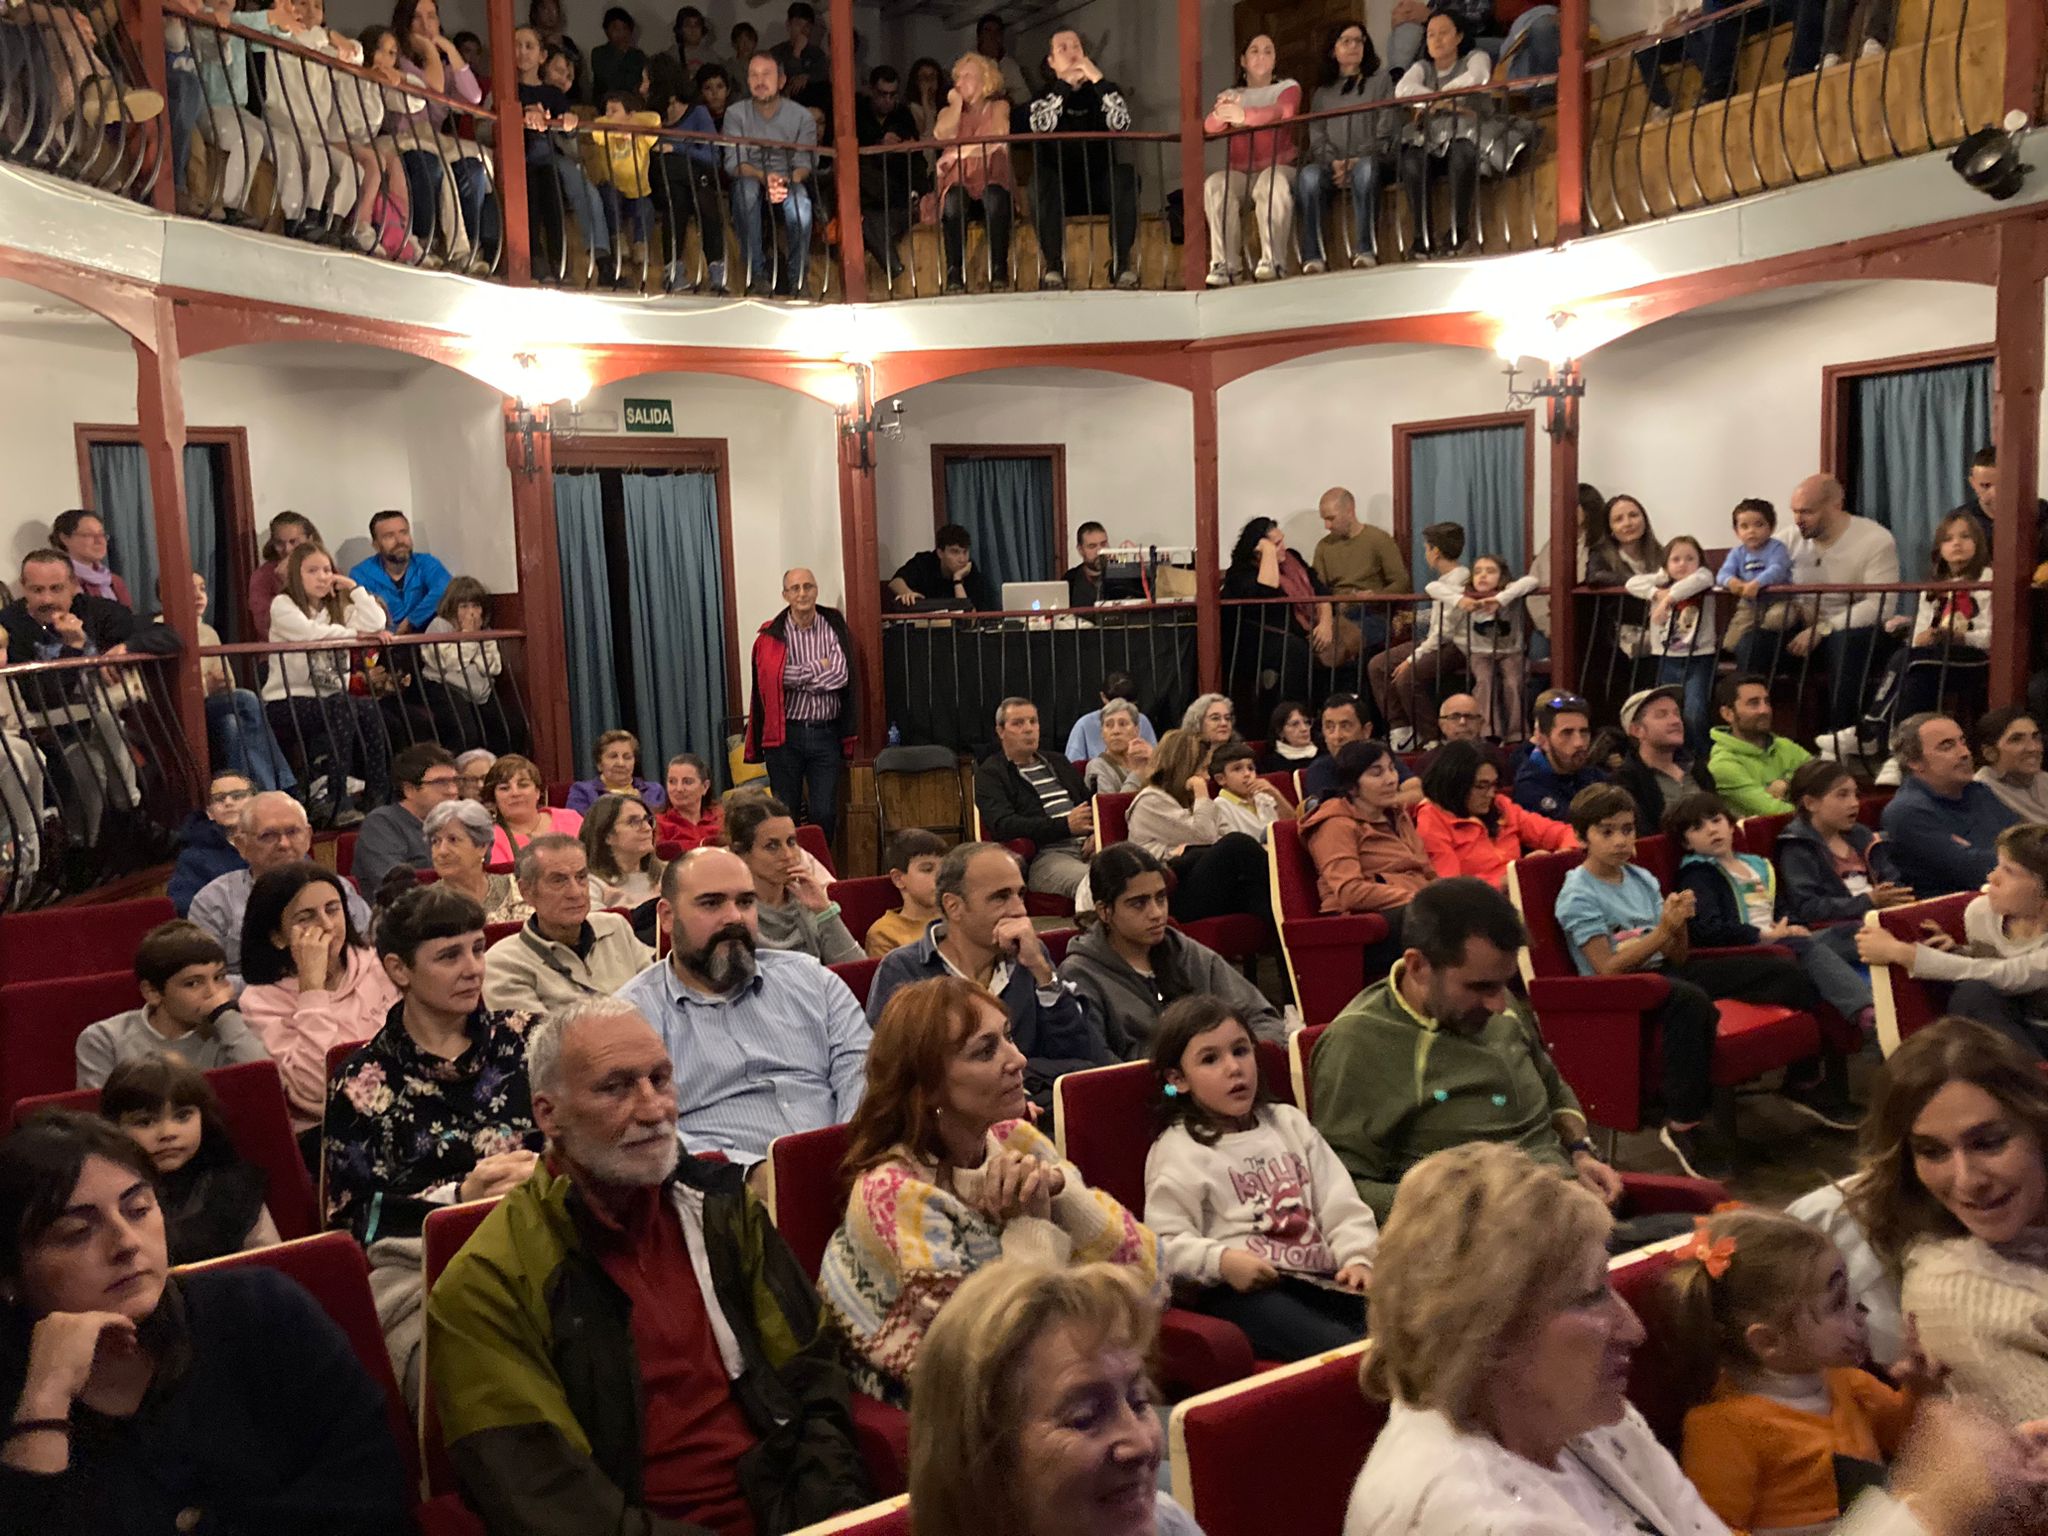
766,724
1459,845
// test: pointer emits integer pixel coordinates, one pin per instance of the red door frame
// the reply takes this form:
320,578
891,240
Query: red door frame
241,529
1056,453
1405,433
1837,381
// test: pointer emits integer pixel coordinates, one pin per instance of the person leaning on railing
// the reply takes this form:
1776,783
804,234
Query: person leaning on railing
690,176
558,183
307,691
1084,178
975,178
460,679
427,58
1443,140
1347,151
1261,163
236,730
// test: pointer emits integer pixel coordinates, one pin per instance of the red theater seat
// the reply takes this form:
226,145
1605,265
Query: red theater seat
40,1022
442,1238
1325,955
859,976
77,941
864,901
812,840
345,854
1112,818
1905,1004
1759,834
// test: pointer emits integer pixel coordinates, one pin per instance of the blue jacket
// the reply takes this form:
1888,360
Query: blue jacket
204,854
1771,565
426,579
1945,843
1053,1030
1542,789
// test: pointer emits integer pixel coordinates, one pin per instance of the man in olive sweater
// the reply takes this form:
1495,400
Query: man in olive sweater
1439,1054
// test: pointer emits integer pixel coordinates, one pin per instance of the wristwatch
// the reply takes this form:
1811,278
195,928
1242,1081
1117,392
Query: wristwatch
1583,1144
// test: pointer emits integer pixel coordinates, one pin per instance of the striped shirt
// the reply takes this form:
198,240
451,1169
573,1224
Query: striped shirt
1052,794
813,672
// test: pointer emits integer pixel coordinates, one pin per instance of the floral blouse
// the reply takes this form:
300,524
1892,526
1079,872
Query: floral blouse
405,1128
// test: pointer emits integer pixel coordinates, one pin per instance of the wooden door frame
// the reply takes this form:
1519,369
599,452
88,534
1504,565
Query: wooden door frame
1405,433
241,528
573,451
1838,380
943,453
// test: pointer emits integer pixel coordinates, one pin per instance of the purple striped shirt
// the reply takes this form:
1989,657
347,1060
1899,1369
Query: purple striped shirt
813,672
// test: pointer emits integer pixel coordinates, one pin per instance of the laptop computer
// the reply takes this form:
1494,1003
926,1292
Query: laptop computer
1034,596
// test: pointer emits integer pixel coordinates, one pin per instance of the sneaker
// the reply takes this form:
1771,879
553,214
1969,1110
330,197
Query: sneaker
1697,1151
1264,272
1872,49
1402,738
673,278
1840,745
364,238
1657,114
350,817
1890,776
1824,1103
1363,260
1128,278
1830,60
1051,282
955,285
1312,266
1219,275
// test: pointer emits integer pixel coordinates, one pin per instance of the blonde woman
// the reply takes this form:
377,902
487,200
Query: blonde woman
975,178
340,734
1177,820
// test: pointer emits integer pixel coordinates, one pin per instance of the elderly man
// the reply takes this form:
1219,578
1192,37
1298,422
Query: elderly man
1353,558
1751,765
984,936
1836,632
1942,826
626,1343
1459,718
565,951
765,1042
1658,771
1559,763
806,716
1022,792
409,586
1395,1076
271,832
424,775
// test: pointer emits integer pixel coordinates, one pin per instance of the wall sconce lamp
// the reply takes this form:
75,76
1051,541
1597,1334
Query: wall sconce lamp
1989,159
543,383
1562,386
860,421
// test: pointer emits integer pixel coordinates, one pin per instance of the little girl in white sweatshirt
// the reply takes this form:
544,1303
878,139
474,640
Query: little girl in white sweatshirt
1247,1199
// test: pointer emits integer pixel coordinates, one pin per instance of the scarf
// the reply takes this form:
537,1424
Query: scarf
96,579
1296,582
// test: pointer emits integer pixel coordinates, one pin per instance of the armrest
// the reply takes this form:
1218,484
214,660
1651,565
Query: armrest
1355,930
1198,1352
1023,847
1649,1194
1635,992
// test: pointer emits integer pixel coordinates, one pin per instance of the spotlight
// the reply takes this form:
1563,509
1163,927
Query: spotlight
1989,159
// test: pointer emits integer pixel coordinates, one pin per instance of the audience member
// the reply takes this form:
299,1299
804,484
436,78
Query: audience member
792,910
1681,631
514,793
945,575
1368,855
212,1201
890,185
123,1376
1446,145
1461,718
1245,802
1083,179
1021,792
204,852
1831,868
1250,1205
975,178
81,537
618,773
236,731
1402,675
1211,720
2009,746
271,833
1176,819
1091,580
1999,974
1132,962
1948,649
690,175
288,530
1291,740
396,834
407,586
1559,763
1347,153
475,766
545,17
914,856
565,951
1982,502
1124,751
1260,165
984,936
1750,764
746,42
618,841
991,43
1490,625
188,1009
1758,561
1469,827
692,816
673,72
626,1338
448,183
1353,557
1658,771
765,1043
805,720
459,678
312,982
948,1174
1624,545
771,183
1281,627
925,94
617,64
1343,722
1942,826
307,691
458,834
803,59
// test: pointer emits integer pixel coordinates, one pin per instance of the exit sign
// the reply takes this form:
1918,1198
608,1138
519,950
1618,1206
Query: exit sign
650,416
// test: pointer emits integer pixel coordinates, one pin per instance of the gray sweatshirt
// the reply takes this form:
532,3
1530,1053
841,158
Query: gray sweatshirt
821,935
1124,1004
127,1037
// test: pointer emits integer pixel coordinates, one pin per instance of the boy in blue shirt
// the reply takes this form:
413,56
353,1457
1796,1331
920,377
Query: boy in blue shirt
1758,560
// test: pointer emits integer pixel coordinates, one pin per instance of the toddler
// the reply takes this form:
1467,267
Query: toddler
1758,560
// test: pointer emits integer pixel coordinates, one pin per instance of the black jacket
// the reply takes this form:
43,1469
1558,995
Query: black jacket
1809,890
892,180
923,574
1718,919
107,624
1093,106
1640,781
1085,591
1010,808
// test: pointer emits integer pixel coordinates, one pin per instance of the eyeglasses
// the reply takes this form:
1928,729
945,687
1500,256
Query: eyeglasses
446,781
1463,717
277,837
229,796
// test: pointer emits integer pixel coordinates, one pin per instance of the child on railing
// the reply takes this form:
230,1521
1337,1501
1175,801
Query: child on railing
1950,647
380,59
1681,630
1490,625
229,129
314,180
427,58
690,172
556,183
626,185
307,691
1758,560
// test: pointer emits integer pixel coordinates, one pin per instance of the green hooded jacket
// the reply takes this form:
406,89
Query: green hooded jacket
1744,773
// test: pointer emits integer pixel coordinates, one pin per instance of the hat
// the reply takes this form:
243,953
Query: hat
1636,703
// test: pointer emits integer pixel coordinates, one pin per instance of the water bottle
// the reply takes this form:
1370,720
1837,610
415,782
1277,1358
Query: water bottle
895,734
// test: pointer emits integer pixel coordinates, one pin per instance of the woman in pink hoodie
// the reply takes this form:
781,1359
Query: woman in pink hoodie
1261,163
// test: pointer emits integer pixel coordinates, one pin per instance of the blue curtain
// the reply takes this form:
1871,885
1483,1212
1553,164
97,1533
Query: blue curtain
586,609
1006,506
1471,476
1915,435
205,522
677,614
120,494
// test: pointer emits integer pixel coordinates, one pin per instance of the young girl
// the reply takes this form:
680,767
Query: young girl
369,103
307,694
1831,868
212,1201
1787,1428
1951,639
1681,629
1491,627
1260,169
553,160
1246,1198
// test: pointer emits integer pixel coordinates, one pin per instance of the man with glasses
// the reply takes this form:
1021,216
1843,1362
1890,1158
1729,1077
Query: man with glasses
1559,763
1459,718
425,775
271,832
204,852
472,768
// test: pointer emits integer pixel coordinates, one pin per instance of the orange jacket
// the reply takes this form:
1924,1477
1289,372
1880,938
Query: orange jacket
1364,866
1460,845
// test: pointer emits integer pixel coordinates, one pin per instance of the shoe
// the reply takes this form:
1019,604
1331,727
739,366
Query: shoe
410,254
1826,1104
673,279
1872,49
955,285
1219,276
718,278
364,238
1052,282
351,817
1830,60
1697,1151
1265,272
1402,738
1363,260
1128,278
1890,776
103,104
1656,114
1313,266
480,265
1840,745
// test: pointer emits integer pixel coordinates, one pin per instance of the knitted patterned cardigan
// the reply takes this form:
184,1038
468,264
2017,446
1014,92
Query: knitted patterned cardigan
1985,1316
908,1243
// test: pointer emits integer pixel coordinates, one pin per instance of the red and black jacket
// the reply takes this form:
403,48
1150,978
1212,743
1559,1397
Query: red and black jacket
766,723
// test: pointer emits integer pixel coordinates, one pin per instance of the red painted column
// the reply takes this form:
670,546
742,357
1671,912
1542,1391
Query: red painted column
1573,20
860,567
540,598
160,420
511,148
2016,429
2025,27
1195,254
1563,574
146,21
853,261
1208,540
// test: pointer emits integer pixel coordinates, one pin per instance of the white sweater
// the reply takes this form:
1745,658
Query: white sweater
1158,824
1278,1190
1500,632
1974,632
1985,1317
309,674
1687,628
1864,552
2016,967
1432,623
1251,817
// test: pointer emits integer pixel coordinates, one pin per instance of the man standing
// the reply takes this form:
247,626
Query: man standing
1081,178
565,952
626,1343
1942,826
1658,771
271,833
805,717
1354,558
1023,792
424,775
988,42
984,936
945,573
772,176
1559,763
409,585
765,1042
1750,763
1089,582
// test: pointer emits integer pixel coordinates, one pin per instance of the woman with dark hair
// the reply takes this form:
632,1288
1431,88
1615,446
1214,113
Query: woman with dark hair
1132,962
516,796
212,1201
1274,643
949,1175
1369,857
1443,141
1626,545
428,57
1346,151
791,904
1469,826
136,1398
82,535
1176,819
2009,746
618,842
460,677
1290,739
306,692
288,530
312,983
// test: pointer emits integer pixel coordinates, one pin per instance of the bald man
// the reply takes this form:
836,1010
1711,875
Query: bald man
805,717
1459,718
1834,637
1353,557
